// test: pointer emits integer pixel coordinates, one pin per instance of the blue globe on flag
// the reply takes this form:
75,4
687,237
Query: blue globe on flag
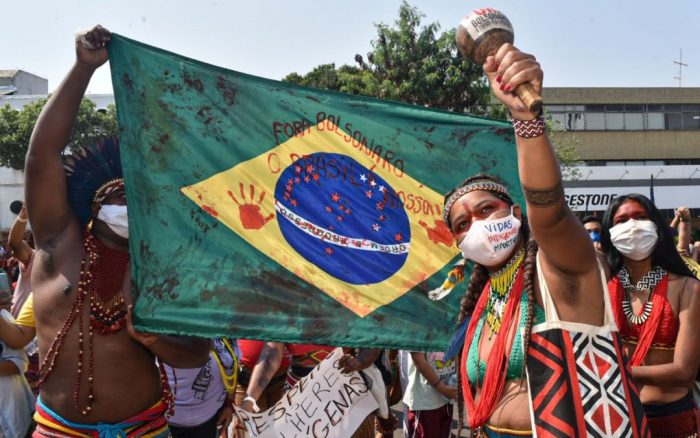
343,218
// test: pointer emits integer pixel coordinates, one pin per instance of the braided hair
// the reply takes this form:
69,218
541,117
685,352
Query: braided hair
479,277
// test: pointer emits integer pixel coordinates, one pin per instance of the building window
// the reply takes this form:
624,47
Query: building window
595,121
627,117
691,120
674,121
655,121
634,121
614,121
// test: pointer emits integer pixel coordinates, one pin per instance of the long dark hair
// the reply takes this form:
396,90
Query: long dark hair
480,276
664,254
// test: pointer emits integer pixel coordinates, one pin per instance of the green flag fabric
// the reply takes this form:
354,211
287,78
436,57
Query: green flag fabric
265,210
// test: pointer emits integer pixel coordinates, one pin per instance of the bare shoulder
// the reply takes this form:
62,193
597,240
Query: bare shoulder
683,291
682,283
692,285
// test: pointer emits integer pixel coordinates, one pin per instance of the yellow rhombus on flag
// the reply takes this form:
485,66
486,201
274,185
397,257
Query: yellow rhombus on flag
301,204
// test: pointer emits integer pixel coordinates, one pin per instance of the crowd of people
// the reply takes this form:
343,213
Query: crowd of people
611,301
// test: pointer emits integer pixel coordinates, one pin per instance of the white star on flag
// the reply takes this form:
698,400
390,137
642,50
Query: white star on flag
376,227
363,178
372,183
381,189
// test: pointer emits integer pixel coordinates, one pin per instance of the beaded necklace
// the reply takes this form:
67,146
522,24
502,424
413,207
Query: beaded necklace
499,292
229,380
102,290
478,412
650,319
646,284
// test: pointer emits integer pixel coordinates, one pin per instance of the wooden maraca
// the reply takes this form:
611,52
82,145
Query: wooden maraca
480,34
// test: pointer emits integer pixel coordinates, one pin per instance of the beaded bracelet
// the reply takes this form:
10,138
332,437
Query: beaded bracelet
529,128
256,409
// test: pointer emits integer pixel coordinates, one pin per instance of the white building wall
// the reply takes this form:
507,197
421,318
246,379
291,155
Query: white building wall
28,83
674,186
11,189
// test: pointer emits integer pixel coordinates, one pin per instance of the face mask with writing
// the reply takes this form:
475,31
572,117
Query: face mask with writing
116,218
635,239
489,242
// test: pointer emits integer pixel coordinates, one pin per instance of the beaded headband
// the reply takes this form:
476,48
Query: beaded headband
107,189
485,185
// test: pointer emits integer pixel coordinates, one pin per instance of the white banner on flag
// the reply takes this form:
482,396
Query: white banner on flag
324,404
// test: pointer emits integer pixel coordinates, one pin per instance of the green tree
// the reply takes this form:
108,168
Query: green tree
408,63
16,128
417,65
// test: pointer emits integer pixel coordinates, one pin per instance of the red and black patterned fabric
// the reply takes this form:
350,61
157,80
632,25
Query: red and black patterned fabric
580,386
580,382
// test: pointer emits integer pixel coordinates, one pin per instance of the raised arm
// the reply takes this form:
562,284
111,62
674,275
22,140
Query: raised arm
560,235
45,187
684,229
20,247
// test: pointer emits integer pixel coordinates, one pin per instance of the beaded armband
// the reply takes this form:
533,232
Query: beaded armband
529,128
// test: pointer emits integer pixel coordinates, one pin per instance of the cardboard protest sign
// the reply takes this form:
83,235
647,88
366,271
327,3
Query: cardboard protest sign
324,404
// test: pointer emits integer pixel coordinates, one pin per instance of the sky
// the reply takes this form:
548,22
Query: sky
590,43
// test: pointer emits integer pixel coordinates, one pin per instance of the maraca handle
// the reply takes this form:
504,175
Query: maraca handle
532,100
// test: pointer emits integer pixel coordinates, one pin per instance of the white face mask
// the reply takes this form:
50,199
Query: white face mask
116,219
635,239
489,242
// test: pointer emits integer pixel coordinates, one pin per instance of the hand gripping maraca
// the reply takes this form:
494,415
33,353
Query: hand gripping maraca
480,34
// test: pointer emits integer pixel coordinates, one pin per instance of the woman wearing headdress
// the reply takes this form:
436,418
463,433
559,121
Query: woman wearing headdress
521,264
657,308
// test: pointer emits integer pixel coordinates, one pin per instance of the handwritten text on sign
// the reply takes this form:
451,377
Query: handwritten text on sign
324,404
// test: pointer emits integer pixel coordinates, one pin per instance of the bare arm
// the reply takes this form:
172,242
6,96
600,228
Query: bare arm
182,351
268,363
686,356
683,214
20,247
176,351
364,358
423,367
675,221
45,187
14,335
8,368
560,235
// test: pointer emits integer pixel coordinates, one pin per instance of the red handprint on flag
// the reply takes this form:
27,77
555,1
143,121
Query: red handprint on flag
250,213
440,233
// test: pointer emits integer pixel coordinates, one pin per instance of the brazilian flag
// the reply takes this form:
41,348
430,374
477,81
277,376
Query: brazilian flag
266,210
